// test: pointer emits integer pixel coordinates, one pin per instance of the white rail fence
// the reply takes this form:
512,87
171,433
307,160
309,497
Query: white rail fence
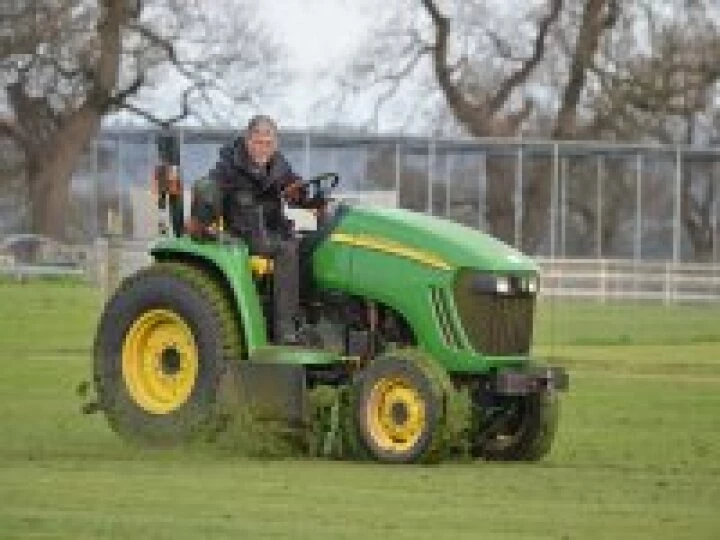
622,279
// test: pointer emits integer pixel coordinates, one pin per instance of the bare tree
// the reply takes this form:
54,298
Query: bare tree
598,16
489,76
64,65
485,73
665,92
590,69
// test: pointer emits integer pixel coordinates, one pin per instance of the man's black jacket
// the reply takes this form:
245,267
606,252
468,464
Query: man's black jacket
244,193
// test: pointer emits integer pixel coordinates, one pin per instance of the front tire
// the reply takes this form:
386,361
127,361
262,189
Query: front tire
527,432
166,341
398,409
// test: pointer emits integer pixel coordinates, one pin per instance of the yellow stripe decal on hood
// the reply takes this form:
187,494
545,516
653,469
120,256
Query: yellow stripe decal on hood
388,246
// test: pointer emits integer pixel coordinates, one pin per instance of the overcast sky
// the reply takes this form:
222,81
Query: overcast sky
317,34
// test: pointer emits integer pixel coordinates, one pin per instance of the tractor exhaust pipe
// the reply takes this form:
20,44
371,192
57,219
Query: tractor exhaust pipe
167,184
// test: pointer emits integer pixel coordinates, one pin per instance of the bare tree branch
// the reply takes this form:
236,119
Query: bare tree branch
598,16
477,115
68,64
521,75
12,129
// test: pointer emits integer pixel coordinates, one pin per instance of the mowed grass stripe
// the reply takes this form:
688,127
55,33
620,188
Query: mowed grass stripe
592,323
47,316
637,454
337,500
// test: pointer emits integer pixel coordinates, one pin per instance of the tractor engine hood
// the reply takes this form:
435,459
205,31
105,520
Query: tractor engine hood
438,242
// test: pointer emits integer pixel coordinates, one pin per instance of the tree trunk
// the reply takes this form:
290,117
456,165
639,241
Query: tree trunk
54,143
594,23
50,173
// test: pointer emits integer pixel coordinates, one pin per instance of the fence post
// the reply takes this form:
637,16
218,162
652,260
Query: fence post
637,251
677,210
398,169
430,175
714,216
120,185
95,187
518,197
448,183
482,191
101,258
563,206
638,205
553,199
599,205
306,148
113,252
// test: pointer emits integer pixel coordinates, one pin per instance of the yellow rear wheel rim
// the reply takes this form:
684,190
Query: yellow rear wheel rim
396,414
159,361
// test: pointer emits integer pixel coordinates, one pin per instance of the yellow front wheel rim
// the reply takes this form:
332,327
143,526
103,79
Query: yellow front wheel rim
159,361
396,414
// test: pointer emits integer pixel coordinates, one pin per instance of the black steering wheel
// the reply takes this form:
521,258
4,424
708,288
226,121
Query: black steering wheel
319,188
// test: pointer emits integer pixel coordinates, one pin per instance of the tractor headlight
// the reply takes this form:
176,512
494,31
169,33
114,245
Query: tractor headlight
532,285
502,285
491,284
528,285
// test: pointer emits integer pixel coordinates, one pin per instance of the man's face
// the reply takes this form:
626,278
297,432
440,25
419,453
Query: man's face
261,145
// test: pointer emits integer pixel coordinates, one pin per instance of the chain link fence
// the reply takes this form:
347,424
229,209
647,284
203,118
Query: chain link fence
553,200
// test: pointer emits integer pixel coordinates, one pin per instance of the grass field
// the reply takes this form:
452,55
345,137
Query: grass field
637,455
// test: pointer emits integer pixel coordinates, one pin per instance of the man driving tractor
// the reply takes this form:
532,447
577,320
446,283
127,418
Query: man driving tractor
399,310
243,195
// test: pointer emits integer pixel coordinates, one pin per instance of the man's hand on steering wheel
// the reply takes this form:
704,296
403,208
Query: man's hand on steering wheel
312,193
295,192
201,231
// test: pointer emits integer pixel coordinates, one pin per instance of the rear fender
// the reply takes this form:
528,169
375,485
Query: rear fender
230,264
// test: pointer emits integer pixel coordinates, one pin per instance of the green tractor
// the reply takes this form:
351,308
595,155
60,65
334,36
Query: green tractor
399,310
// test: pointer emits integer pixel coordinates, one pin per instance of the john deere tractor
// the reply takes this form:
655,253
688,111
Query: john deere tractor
399,310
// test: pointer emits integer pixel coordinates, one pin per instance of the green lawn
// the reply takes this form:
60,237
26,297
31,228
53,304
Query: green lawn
637,455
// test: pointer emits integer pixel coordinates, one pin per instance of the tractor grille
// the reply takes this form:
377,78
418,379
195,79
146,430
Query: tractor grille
494,324
440,303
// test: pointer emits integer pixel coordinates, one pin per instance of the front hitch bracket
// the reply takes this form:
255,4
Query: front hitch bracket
508,382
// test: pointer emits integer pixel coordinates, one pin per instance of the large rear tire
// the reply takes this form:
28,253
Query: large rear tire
166,344
398,409
526,432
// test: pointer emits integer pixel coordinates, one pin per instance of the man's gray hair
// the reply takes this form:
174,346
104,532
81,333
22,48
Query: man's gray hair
259,122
